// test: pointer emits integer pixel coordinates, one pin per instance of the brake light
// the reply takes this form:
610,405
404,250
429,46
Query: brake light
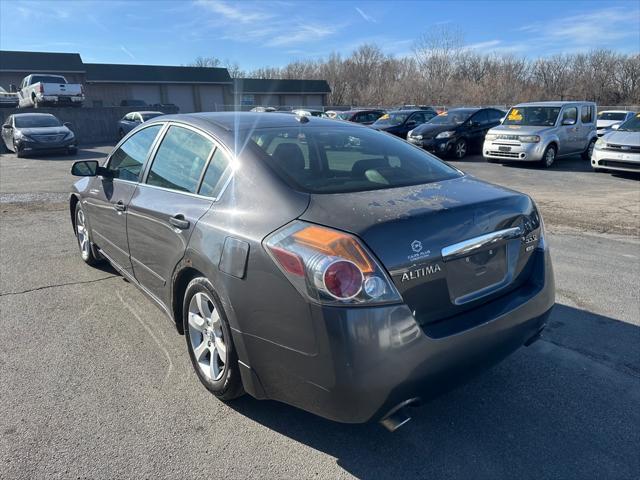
329,266
41,88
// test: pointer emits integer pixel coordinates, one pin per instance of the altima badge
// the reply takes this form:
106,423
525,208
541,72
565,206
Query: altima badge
421,272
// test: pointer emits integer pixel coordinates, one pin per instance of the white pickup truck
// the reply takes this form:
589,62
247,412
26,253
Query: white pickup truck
38,90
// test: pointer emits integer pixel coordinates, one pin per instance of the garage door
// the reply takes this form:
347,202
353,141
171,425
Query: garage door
182,96
269,100
314,100
211,98
293,100
148,93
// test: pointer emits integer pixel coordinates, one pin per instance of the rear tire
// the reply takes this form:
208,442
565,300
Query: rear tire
209,341
549,157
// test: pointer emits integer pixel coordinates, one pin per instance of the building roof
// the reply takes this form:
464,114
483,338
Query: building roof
119,73
40,62
276,86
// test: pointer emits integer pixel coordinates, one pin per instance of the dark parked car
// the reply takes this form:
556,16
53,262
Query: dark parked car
401,122
132,119
456,132
319,263
25,133
364,117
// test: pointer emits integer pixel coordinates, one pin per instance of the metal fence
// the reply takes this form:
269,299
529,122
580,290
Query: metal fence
438,108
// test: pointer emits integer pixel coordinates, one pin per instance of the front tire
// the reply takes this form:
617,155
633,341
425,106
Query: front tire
549,157
460,149
17,151
586,155
88,252
209,340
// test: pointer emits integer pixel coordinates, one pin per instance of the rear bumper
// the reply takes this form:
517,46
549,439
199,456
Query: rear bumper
612,160
72,100
372,359
501,150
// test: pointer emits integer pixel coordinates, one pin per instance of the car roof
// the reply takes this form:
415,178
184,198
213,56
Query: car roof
237,121
34,115
142,112
615,111
407,111
551,104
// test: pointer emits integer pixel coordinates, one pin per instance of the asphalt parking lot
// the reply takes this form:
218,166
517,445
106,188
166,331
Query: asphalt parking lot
96,383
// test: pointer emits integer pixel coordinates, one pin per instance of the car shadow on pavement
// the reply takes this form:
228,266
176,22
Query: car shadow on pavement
566,407
87,153
571,164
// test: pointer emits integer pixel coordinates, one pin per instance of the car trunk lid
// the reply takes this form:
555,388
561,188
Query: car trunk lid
448,246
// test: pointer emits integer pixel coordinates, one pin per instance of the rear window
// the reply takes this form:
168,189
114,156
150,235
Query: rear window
612,116
334,160
47,79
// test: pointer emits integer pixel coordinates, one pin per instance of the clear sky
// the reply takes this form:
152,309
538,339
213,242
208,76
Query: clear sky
272,33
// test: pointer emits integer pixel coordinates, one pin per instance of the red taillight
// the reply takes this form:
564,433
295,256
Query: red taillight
343,279
329,266
41,87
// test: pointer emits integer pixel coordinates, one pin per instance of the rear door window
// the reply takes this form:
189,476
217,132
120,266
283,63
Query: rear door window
587,114
570,113
216,174
126,162
180,160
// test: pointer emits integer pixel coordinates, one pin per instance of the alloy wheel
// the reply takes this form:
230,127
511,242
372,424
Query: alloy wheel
83,235
549,157
207,337
461,149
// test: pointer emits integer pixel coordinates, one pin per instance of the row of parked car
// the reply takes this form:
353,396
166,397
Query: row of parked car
539,132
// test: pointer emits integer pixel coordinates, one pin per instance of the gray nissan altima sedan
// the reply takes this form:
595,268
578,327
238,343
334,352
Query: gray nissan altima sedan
319,263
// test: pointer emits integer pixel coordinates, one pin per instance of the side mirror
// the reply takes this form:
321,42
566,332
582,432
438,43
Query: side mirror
85,168
615,126
6,126
68,125
411,123
569,121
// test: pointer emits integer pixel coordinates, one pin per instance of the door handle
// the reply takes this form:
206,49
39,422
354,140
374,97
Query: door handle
121,207
179,221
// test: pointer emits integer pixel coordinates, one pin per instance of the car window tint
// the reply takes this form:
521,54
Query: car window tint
587,114
481,117
348,160
214,176
495,115
180,160
570,113
126,162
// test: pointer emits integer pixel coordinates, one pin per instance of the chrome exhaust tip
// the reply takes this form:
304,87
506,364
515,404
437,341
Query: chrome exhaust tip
394,421
398,415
